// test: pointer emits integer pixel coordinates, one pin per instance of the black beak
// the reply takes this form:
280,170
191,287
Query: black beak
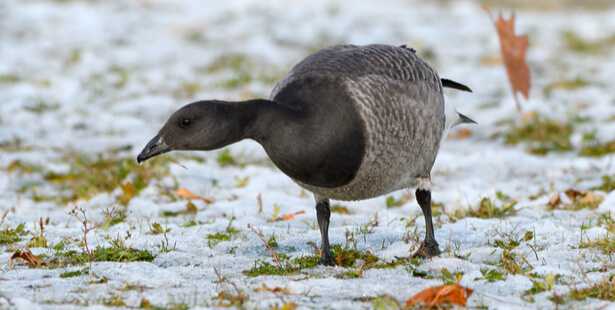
155,147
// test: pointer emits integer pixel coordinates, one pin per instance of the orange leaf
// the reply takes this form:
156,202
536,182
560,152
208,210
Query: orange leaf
32,260
436,295
182,192
461,134
291,216
513,48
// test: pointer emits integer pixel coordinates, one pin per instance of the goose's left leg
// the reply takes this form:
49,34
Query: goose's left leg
323,213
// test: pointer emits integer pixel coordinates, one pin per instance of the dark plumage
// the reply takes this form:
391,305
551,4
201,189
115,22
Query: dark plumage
348,123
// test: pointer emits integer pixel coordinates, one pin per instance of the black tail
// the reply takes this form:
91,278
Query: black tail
452,84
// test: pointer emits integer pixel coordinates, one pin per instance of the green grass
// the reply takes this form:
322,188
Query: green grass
40,107
541,135
227,235
287,267
345,256
491,275
89,176
117,252
487,209
11,235
76,273
606,243
566,85
245,70
381,302
593,148
14,145
604,290
514,240
9,79
578,44
608,184
539,286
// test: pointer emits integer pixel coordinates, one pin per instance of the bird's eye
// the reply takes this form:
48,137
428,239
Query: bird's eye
186,122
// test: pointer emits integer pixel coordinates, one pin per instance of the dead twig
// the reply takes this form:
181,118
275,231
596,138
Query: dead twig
525,260
277,261
173,161
531,247
75,212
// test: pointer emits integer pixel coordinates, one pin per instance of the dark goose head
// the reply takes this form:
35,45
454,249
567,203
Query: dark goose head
202,125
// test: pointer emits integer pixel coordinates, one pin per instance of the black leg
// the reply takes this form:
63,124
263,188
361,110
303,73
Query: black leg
323,213
429,247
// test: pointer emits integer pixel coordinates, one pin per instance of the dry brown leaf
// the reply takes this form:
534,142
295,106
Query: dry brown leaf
291,216
436,295
513,48
575,196
591,198
554,201
32,260
182,192
265,288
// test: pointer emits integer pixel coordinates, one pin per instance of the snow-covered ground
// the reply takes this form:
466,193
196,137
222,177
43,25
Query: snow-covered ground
82,79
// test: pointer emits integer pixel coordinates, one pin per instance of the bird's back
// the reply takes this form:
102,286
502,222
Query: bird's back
399,102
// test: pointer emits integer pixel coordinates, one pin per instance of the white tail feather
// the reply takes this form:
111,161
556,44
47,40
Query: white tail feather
452,117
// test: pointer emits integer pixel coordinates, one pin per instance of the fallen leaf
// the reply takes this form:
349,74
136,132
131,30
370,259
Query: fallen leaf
182,192
32,260
291,216
554,201
437,295
287,306
264,288
513,48
339,209
460,134
591,198
575,196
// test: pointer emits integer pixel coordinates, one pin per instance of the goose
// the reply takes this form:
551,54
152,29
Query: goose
346,123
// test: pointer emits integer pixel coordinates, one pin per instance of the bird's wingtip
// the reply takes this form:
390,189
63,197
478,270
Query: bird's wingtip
455,85
466,120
